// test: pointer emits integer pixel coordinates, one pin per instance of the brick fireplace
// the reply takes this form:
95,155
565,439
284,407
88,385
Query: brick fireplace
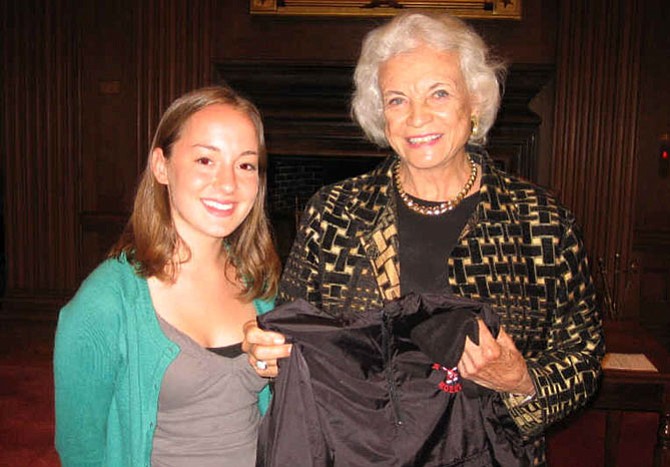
293,179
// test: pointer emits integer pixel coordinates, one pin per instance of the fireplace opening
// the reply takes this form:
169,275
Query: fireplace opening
292,180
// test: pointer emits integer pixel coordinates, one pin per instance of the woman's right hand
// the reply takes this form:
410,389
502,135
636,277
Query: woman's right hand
264,348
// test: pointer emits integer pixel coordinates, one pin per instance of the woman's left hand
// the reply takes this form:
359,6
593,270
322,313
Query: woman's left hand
495,363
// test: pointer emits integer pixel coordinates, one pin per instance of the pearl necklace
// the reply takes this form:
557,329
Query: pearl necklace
444,206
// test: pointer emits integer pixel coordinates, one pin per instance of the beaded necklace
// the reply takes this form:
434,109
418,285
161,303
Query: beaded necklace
442,207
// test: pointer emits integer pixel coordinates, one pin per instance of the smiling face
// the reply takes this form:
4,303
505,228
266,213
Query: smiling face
211,173
427,107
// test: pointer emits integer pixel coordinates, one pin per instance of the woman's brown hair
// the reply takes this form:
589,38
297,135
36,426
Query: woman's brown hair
149,240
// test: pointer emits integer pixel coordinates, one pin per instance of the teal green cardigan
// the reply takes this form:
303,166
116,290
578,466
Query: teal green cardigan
110,356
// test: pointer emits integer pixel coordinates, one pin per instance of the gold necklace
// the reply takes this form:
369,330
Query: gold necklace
444,206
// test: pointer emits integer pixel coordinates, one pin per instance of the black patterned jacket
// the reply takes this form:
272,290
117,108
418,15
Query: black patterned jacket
521,252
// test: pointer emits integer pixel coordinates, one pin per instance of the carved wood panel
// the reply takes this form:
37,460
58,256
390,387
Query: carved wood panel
171,57
594,167
83,87
40,149
496,9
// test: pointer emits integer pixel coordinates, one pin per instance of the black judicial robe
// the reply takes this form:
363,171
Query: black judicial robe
380,390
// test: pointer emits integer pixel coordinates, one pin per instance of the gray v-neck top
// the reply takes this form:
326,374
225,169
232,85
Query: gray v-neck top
207,408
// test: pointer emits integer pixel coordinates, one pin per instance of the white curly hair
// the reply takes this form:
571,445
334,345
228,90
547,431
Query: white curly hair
484,75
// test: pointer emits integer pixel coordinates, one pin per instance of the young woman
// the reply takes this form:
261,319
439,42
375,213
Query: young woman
148,364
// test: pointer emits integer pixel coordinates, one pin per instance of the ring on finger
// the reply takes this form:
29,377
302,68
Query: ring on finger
262,365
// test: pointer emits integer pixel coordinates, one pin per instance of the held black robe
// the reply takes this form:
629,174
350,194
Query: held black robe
369,392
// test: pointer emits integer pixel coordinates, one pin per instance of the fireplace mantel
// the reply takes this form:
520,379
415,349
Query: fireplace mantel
305,108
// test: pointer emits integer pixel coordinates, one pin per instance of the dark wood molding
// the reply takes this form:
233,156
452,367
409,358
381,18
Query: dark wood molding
595,127
496,9
173,57
305,106
40,305
517,127
102,222
84,85
40,146
652,240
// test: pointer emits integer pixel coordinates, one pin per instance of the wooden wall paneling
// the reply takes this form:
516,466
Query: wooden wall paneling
317,121
654,247
174,53
168,55
241,36
108,123
594,167
83,87
651,287
652,233
654,118
40,150
517,128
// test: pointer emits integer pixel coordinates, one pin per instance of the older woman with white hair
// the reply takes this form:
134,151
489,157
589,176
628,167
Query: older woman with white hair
437,217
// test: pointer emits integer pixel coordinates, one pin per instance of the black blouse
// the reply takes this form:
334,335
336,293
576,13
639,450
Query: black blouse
426,243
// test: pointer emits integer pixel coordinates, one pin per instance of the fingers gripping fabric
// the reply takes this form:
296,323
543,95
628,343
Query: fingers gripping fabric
362,392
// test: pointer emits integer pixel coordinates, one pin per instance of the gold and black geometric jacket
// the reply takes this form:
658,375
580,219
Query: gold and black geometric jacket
521,252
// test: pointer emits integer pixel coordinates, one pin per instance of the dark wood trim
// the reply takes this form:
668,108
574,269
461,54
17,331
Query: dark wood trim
103,222
595,146
52,128
40,144
33,305
652,240
478,9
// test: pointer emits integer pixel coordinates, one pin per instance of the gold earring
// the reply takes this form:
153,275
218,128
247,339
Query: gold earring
475,125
